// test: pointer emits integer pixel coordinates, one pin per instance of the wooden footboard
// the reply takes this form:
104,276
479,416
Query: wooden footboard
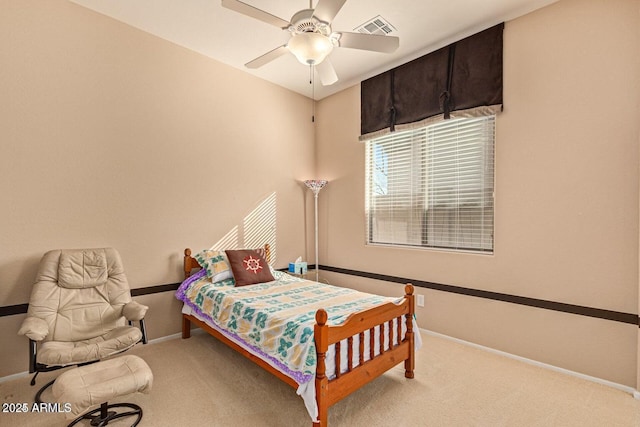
331,391
378,361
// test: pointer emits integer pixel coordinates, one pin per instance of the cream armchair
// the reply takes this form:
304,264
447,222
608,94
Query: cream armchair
80,311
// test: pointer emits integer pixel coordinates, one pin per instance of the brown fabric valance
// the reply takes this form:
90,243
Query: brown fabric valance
460,77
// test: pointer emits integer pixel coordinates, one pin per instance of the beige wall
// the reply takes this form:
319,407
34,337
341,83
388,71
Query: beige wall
566,221
108,135
112,137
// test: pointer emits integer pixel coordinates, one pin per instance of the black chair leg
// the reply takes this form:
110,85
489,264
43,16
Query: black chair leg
143,328
33,380
102,416
38,398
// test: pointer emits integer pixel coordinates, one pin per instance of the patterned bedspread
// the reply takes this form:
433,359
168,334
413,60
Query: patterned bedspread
276,318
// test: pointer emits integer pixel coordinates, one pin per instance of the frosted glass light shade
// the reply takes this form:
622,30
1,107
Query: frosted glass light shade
310,48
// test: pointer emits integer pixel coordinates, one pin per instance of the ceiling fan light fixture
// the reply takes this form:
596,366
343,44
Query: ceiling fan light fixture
310,48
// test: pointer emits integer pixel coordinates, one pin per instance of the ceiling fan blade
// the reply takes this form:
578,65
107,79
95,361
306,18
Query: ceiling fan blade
327,73
267,57
326,10
255,13
386,44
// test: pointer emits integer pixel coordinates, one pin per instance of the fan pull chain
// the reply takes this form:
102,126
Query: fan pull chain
313,94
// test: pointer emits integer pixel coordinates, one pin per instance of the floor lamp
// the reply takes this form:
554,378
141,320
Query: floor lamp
316,185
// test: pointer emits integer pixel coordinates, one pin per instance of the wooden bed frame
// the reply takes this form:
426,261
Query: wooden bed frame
331,391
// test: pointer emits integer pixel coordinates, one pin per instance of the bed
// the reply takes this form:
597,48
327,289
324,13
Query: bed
356,336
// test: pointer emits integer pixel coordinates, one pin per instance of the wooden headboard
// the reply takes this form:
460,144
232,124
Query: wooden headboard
190,263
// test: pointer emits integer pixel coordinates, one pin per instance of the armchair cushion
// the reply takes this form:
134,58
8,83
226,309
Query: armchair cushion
88,387
34,328
134,311
61,353
82,269
76,306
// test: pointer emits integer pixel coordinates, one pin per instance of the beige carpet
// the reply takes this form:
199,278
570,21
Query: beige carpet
200,382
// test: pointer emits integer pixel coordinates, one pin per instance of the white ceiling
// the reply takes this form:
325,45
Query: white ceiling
206,27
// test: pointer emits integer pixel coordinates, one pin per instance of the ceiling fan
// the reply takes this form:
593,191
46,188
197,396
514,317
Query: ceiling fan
312,39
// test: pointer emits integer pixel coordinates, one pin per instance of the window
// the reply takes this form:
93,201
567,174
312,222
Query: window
433,186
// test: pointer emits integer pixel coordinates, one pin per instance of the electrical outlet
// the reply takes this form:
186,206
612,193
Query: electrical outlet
420,300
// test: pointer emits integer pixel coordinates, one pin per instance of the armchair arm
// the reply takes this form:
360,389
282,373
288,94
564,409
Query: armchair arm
134,311
34,328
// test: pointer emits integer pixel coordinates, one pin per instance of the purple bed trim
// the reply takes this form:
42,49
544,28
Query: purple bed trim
184,285
298,377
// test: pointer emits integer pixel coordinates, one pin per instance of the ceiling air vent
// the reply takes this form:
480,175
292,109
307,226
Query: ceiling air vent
377,26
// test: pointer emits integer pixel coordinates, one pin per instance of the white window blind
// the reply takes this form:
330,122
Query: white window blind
433,186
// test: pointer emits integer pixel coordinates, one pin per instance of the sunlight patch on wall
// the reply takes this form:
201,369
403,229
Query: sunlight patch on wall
260,226
228,241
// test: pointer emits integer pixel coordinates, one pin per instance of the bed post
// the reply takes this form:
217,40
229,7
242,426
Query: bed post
186,327
188,266
187,263
322,345
409,364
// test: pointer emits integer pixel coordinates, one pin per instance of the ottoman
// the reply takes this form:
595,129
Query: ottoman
90,386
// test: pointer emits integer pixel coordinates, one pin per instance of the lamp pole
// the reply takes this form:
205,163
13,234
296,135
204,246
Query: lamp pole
316,185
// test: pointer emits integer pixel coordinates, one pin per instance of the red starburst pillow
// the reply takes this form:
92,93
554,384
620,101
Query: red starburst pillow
248,267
